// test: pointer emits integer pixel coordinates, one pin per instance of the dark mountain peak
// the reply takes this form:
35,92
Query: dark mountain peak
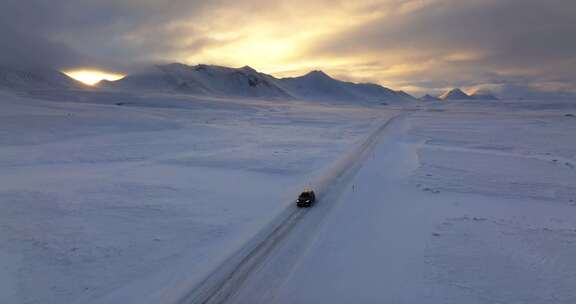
201,67
317,74
456,91
248,69
454,94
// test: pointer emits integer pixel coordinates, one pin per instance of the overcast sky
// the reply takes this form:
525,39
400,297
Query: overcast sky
416,45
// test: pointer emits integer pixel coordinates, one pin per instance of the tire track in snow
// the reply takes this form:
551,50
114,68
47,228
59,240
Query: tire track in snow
228,277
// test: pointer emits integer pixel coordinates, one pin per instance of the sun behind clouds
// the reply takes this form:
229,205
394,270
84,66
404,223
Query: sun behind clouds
92,77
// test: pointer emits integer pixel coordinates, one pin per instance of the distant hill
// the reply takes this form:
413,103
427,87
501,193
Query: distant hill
26,79
318,85
455,94
247,82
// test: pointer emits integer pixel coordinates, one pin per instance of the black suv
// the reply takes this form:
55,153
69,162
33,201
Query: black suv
306,198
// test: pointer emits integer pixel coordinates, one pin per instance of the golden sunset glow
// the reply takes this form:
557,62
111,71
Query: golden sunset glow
279,42
92,77
288,41
415,45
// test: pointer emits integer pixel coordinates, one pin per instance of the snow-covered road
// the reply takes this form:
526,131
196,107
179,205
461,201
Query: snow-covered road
339,251
230,276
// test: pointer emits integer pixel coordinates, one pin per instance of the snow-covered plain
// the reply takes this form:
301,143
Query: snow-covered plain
137,198
115,197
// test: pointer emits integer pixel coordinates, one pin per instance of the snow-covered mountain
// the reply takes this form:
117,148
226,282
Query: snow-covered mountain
203,80
24,79
455,94
247,82
318,85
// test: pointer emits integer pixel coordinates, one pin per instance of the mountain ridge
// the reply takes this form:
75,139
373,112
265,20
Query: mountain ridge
217,80
26,79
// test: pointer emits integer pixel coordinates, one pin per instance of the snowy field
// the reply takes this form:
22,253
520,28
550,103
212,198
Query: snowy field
109,196
506,179
464,203
112,198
